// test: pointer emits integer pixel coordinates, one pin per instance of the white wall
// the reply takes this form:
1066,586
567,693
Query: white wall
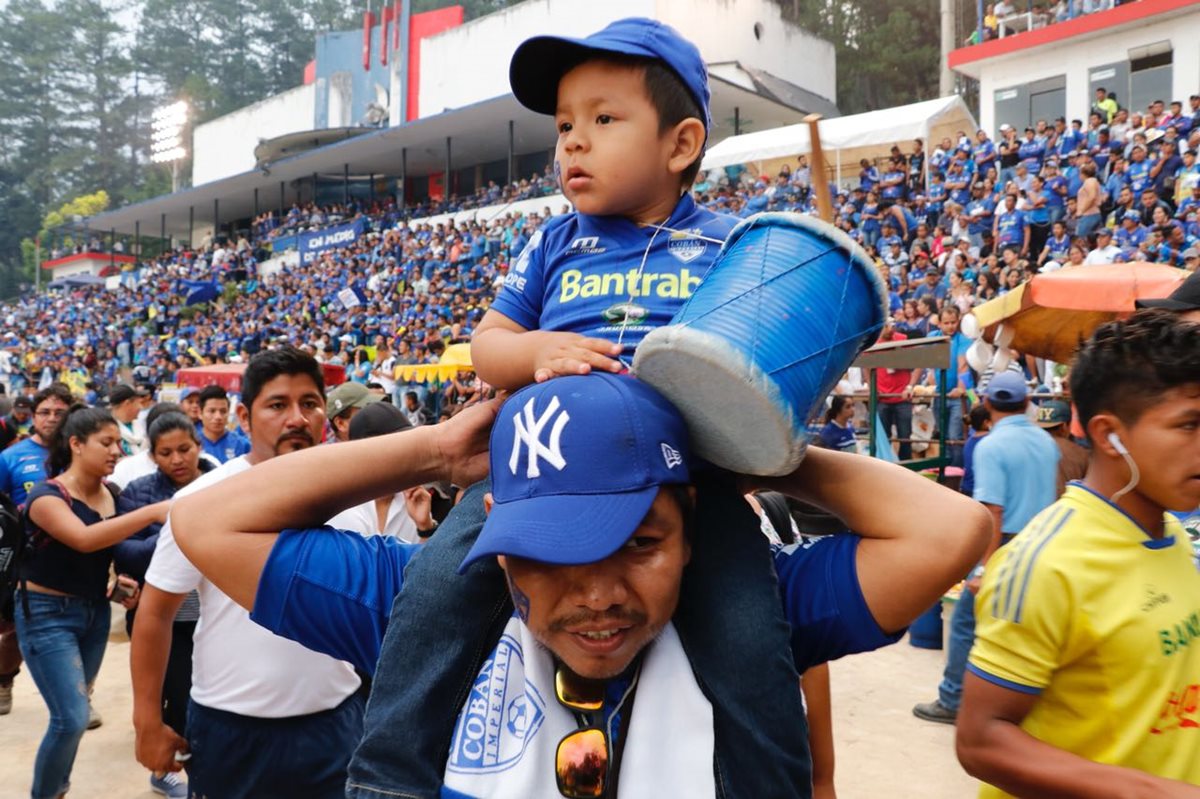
468,64
724,31
225,146
557,203
1074,58
82,267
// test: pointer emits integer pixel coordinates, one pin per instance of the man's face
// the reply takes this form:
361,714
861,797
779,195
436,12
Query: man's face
287,415
215,416
46,417
21,414
1165,444
341,423
596,618
611,156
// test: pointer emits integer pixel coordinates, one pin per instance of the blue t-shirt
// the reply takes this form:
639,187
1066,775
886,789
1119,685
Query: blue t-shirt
332,591
1016,467
1011,228
834,436
229,446
22,466
580,273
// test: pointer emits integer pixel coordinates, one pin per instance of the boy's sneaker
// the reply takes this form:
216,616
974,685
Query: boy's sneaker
935,711
94,718
5,699
170,785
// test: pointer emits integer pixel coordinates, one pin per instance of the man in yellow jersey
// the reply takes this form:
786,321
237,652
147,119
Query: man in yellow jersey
1085,676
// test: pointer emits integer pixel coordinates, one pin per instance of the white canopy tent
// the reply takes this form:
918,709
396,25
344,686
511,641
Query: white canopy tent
847,140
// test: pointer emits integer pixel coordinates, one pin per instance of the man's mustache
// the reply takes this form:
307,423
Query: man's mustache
584,617
302,435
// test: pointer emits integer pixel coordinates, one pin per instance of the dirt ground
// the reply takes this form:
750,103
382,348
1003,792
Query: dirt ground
882,750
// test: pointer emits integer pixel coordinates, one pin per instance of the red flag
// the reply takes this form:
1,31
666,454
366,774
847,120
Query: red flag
368,23
388,16
396,16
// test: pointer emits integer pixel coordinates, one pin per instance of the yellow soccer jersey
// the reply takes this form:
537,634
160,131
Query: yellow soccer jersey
1102,622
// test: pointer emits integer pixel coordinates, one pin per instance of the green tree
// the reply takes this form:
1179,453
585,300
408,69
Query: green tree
887,50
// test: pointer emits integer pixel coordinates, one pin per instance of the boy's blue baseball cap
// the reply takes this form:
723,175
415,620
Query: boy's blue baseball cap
539,63
576,463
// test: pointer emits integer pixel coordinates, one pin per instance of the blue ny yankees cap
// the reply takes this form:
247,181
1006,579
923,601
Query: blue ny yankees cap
539,63
576,463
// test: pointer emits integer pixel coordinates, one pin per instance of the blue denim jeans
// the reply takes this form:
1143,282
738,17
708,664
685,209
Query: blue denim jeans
962,636
730,620
1087,225
954,427
63,640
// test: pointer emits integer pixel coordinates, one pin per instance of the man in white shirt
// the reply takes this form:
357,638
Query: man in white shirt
1106,252
268,717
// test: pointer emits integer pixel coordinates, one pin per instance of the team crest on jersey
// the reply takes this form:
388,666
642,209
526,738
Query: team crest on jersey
625,313
685,245
502,715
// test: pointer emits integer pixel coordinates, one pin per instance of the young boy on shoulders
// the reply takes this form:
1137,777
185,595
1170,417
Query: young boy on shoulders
630,104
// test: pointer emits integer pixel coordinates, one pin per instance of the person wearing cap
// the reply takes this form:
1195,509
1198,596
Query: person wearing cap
1015,468
596,563
1131,234
1081,678
630,104
1105,251
17,424
1185,300
189,400
406,515
344,402
1054,416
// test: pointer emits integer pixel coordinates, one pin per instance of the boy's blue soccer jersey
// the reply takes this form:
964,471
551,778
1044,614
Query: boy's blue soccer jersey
584,274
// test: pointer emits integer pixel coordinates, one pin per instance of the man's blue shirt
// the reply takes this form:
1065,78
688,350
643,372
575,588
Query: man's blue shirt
1016,467
332,591
1011,228
584,274
229,446
22,466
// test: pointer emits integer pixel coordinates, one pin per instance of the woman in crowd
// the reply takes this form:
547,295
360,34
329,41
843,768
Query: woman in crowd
175,449
928,311
910,319
838,433
62,612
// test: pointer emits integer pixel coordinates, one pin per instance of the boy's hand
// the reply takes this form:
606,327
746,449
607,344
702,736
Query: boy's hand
572,354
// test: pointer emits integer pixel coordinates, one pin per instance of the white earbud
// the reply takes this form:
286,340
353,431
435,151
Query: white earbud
1134,475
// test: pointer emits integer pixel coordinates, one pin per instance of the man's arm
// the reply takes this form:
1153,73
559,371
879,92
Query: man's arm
228,529
904,563
156,743
992,747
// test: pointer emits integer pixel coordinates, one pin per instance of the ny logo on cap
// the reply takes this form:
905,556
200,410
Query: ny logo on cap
527,430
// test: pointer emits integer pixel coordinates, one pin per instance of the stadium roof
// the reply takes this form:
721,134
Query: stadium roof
478,134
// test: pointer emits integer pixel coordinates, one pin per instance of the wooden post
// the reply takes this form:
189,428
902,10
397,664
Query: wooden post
820,176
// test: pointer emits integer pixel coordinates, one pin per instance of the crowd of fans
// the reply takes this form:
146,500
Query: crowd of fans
1014,16
958,225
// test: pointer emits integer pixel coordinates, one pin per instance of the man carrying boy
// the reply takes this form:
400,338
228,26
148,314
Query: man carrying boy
630,104
1084,675
594,559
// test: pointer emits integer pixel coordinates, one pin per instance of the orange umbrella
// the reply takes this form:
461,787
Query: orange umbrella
1052,313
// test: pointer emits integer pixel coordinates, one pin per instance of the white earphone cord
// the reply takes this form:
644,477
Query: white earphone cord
1134,475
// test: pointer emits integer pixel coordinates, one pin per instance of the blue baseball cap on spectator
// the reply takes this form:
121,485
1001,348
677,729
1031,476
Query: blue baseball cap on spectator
1007,388
539,63
576,463
1133,215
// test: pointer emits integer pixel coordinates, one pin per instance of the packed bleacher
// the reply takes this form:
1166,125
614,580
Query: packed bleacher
956,224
